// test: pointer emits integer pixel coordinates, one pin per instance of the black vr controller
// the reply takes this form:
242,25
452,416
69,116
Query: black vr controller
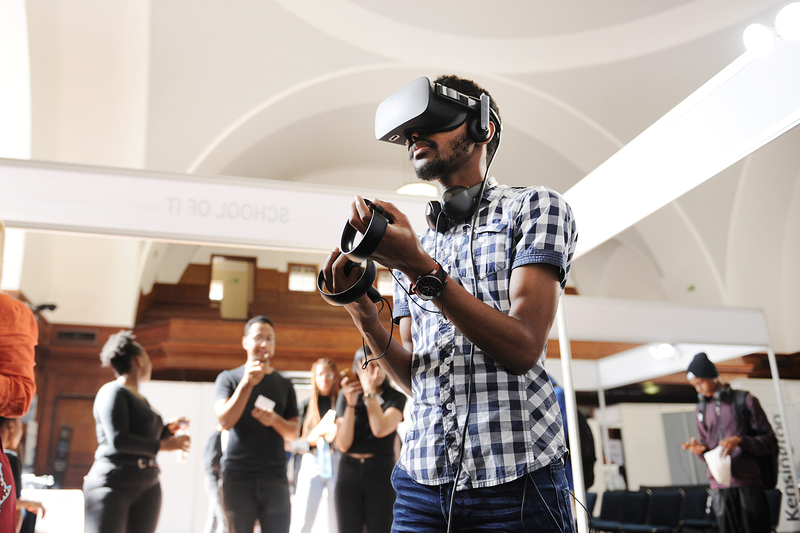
357,254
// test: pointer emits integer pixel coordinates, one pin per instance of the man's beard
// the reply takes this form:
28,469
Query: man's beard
432,169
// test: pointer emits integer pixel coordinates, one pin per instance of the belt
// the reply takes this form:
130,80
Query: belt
141,462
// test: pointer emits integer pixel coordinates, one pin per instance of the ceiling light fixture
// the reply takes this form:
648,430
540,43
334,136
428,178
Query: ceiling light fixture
662,351
759,40
787,23
419,189
650,388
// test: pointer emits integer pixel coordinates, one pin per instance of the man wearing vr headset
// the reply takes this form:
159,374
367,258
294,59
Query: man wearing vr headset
476,298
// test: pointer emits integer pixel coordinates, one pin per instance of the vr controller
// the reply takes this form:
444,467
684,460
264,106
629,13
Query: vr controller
357,254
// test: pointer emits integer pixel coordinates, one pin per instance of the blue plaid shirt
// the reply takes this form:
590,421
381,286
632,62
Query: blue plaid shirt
515,424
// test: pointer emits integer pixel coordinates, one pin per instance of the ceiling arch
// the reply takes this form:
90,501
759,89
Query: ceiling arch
463,44
559,128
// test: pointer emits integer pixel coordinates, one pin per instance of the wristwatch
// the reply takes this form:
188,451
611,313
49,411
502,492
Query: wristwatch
369,395
431,285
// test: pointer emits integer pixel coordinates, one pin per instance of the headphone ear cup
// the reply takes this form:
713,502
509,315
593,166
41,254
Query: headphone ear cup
476,133
432,212
457,202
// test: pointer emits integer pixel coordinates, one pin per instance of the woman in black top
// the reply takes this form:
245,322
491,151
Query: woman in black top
122,492
368,412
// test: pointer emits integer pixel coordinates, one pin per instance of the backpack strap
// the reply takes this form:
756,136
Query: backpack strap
741,410
701,411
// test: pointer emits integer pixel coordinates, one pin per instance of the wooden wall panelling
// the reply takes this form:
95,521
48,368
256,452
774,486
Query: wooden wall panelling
68,376
75,412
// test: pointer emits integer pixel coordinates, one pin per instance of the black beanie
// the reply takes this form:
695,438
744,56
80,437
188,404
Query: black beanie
701,367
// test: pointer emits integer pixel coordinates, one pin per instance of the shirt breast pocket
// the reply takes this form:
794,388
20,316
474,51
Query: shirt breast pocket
491,251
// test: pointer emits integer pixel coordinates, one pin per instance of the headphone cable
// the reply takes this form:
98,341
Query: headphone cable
471,352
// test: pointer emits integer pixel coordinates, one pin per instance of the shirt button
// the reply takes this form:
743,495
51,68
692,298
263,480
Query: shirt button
450,407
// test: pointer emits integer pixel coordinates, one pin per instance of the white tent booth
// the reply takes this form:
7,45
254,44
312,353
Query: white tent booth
723,333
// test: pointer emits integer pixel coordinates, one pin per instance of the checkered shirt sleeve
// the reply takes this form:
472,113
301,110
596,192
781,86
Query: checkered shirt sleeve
514,422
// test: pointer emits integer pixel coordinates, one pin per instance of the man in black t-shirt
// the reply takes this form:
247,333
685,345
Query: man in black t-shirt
258,407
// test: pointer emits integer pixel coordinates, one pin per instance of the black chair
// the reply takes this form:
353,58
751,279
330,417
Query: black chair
633,511
696,515
610,512
634,508
774,497
663,514
591,501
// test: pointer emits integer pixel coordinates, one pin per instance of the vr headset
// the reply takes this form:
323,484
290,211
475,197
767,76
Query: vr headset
427,107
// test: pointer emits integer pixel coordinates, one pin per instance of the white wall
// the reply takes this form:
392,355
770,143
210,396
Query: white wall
644,445
93,280
184,504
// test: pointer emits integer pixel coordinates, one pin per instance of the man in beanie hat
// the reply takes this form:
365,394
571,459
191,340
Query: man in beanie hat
734,421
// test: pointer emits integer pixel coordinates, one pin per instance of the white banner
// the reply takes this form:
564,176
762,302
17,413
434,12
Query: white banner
790,506
182,207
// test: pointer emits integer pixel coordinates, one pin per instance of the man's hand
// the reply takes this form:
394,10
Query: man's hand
31,506
267,418
400,248
253,373
694,446
729,444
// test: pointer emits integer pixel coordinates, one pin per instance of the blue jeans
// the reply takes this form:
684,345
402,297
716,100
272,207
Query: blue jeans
537,502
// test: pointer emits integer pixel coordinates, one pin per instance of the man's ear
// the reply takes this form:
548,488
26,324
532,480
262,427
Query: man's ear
244,342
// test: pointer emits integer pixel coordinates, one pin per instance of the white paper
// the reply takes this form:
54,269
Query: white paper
720,467
264,403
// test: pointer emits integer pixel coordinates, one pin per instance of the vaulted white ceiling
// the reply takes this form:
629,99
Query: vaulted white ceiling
286,90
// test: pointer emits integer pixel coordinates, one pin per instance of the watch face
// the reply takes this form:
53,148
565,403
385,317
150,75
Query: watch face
428,287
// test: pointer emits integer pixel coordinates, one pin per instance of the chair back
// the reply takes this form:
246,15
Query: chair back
634,507
611,506
591,501
665,508
695,504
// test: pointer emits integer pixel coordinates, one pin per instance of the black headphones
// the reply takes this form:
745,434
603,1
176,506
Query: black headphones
723,395
458,204
478,127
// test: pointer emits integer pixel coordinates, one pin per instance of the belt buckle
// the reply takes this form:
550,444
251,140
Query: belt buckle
143,463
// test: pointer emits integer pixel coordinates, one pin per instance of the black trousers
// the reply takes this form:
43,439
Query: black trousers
121,498
364,494
741,510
